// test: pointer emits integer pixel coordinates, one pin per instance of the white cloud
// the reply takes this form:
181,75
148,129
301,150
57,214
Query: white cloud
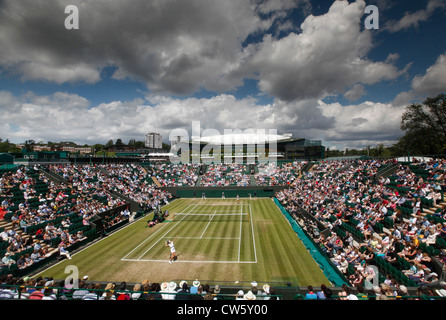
368,123
62,116
412,20
59,74
432,83
269,6
328,56
356,92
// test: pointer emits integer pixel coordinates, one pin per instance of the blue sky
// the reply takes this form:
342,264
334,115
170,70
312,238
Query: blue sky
309,68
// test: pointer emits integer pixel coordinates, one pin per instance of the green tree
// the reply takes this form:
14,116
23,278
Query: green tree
98,147
166,146
425,127
6,146
29,145
109,143
139,144
333,153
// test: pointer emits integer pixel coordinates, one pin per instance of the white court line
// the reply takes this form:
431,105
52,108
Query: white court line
201,237
207,238
240,234
188,261
149,238
173,227
144,241
210,220
219,204
216,212
253,238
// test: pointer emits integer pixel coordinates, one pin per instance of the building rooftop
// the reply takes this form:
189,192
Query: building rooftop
242,138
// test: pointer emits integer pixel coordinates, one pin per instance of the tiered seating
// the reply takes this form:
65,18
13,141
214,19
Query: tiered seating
282,174
346,199
176,175
36,209
221,175
134,182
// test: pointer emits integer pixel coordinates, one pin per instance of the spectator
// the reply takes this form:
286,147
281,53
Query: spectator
361,294
78,294
329,294
108,293
183,292
321,293
255,290
194,287
155,290
343,293
22,293
273,293
171,291
266,288
63,251
93,292
199,294
240,295
378,293
48,293
216,292
310,294
122,293
350,295
249,296
136,294
7,259
441,292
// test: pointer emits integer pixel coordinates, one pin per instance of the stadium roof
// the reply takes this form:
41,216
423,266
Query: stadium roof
242,138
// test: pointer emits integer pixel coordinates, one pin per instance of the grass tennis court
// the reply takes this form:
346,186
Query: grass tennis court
203,233
216,240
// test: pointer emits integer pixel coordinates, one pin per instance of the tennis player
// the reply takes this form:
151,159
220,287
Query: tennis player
172,249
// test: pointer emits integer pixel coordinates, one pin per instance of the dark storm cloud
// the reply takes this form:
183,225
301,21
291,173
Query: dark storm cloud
171,45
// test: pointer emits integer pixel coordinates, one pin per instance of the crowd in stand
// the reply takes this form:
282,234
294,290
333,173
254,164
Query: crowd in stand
176,175
339,194
55,217
226,174
272,174
347,199
131,180
47,288
135,182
